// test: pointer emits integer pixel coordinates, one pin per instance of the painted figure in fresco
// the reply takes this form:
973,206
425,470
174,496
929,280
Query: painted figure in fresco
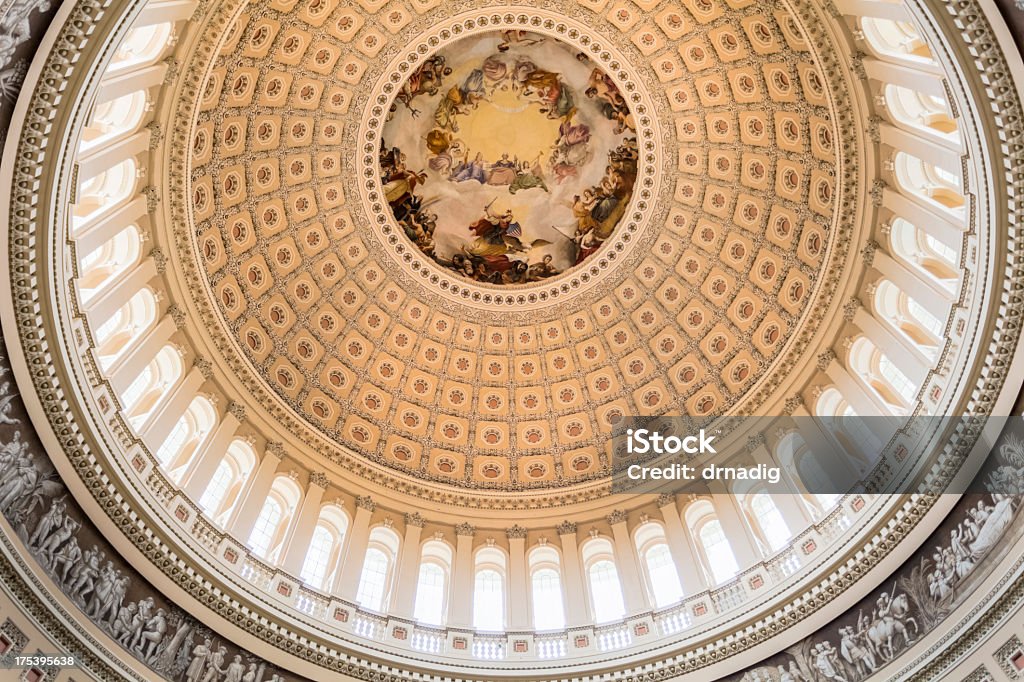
424,80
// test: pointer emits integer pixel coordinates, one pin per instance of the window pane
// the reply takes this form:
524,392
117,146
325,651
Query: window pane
314,568
488,601
430,589
548,613
373,579
663,576
716,547
770,520
213,496
606,592
266,527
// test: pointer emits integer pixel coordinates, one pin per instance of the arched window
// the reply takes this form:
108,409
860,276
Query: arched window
712,544
432,583
378,567
851,431
130,322
151,387
489,590
272,521
920,111
142,46
936,185
769,520
223,490
187,435
606,600
660,571
324,546
103,192
113,119
105,264
896,40
882,376
546,589
925,254
907,317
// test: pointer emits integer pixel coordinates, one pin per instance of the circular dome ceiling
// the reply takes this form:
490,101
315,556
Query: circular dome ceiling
501,271
509,158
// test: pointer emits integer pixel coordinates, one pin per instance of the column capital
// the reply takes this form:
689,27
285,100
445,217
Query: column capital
665,500
465,529
366,502
415,519
319,479
236,410
617,516
204,366
792,404
275,448
825,359
516,532
566,528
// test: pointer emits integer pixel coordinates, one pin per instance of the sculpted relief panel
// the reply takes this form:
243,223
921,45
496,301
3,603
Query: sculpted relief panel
941,576
72,552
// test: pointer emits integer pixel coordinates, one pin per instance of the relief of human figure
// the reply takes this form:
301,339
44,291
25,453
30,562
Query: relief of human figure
213,665
235,670
197,665
123,623
152,635
51,520
17,481
56,540
66,558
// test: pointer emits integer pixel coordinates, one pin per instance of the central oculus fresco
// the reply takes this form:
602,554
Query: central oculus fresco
509,157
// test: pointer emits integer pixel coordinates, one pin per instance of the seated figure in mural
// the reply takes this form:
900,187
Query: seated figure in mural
503,171
471,170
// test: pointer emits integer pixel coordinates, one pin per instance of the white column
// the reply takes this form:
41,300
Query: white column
932,297
134,359
894,11
168,415
108,156
518,593
923,148
819,438
243,518
204,464
346,585
162,12
864,403
921,77
108,301
296,542
684,556
572,577
126,83
628,566
461,612
793,511
741,540
404,604
905,355
108,225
